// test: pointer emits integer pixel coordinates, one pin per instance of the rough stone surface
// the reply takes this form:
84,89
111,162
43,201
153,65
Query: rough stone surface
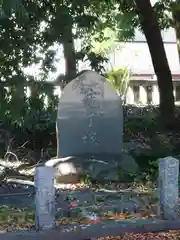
70,169
90,117
45,198
128,163
67,170
168,187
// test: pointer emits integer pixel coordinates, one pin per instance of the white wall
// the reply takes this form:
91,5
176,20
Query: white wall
137,57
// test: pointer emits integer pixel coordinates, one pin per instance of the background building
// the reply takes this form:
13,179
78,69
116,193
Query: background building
135,55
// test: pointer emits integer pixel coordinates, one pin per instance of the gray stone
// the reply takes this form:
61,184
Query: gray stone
90,117
44,198
71,169
103,167
111,168
67,170
128,163
2,172
168,187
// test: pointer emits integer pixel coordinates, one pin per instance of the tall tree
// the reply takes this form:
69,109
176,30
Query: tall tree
150,27
168,12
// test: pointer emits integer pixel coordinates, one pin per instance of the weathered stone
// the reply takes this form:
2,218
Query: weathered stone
67,170
128,163
71,169
2,172
168,187
90,117
90,128
44,198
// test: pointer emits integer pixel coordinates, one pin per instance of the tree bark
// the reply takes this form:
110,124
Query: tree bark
69,53
154,40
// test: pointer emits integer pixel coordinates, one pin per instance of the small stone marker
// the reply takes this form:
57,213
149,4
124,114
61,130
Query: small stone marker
168,187
45,198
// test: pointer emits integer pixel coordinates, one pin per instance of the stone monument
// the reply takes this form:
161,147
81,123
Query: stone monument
89,130
90,117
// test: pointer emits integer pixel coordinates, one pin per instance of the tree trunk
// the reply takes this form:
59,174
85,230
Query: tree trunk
69,54
70,67
154,40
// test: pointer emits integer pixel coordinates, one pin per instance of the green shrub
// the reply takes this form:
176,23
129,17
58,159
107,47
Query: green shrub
120,80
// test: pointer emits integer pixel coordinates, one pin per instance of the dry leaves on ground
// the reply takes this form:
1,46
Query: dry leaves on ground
170,235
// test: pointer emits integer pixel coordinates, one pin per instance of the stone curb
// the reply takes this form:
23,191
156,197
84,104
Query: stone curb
80,232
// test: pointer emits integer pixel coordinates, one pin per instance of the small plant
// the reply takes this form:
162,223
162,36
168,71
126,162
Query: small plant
120,80
86,179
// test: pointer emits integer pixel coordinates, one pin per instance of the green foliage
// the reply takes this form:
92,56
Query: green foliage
29,31
107,44
146,141
8,7
120,80
30,118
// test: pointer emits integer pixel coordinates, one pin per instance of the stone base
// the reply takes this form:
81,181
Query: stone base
105,168
68,179
67,170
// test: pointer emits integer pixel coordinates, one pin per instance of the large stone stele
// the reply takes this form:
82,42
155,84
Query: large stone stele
89,104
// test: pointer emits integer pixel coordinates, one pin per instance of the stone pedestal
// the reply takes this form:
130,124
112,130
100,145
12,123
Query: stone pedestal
45,198
168,187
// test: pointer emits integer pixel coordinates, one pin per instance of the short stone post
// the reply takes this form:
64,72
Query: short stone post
168,187
44,198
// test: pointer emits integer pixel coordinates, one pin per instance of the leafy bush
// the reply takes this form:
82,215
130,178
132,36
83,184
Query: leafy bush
120,80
